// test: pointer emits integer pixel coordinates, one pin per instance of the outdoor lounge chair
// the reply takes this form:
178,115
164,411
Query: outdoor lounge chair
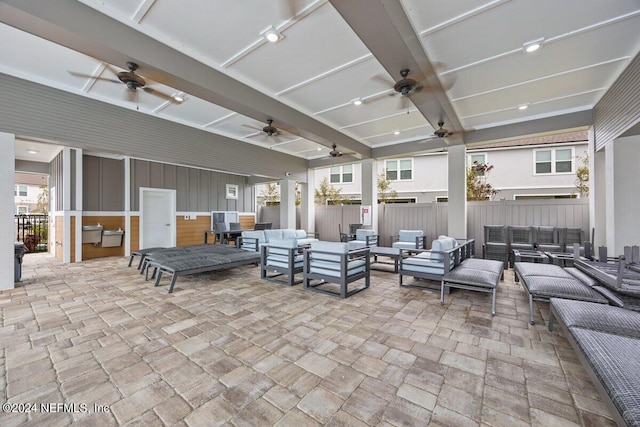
281,257
409,239
327,263
496,245
548,239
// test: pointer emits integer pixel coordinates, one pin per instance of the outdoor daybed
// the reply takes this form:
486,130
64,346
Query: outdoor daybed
192,261
445,254
606,340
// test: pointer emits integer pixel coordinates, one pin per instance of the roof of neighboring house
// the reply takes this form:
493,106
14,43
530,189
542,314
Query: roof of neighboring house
576,136
31,179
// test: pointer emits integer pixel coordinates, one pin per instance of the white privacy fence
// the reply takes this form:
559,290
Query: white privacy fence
432,217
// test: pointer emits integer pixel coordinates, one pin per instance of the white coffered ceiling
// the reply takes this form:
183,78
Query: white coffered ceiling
332,52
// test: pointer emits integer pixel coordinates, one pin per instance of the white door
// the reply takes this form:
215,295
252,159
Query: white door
157,218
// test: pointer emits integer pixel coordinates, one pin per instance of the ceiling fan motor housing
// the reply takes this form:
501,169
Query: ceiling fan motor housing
131,79
405,85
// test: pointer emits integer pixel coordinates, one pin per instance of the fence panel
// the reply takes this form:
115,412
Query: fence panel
433,217
33,231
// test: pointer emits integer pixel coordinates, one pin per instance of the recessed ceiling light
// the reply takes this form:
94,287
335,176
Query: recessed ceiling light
319,148
357,101
523,107
178,98
32,151
532,46
396,132
271,35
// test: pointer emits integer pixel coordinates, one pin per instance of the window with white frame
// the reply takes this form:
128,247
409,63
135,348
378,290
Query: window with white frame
22,210
399,170
341,174
551,161
21,190
477,159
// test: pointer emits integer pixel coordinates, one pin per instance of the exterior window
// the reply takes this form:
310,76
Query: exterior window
399,170
341,174
559,160
21,190
23,210
480,159
477,159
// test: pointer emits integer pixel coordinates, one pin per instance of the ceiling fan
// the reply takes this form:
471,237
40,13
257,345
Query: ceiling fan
133,82
269,131
441,132
336,153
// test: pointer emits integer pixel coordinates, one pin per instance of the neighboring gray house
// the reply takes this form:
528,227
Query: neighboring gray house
541,167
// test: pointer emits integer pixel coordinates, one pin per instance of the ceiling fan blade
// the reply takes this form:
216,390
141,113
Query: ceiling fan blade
287,9
112,69
89,76
387,82
159,94
253,128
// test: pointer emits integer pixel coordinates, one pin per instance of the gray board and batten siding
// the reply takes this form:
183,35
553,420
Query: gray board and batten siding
197,190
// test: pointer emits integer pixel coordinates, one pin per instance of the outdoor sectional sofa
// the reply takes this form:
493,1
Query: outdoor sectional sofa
445,254
252,240
606,340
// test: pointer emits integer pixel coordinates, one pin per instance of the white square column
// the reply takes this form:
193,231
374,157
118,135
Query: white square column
7,209
287,203
457,191
370,189
307,203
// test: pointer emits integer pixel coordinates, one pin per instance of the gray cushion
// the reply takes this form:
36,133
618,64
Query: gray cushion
471,276
614,360
483,264
547,270
599,317
548,287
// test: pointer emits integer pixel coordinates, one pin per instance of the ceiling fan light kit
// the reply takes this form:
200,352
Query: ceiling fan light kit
405,85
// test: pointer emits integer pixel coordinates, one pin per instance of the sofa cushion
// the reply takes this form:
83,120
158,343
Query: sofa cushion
362,233
442,244
332,269
337,248
250,238
272,234
300,234
281,246
289,233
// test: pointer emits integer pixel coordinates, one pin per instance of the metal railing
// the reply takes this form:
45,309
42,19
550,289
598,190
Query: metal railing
33,231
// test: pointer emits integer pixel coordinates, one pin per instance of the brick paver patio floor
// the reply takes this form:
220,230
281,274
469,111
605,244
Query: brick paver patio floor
93,343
